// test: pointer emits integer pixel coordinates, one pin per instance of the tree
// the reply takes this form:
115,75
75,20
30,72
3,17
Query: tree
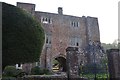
110,46
22,36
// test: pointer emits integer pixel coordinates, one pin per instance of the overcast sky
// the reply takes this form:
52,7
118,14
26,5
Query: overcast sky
105,10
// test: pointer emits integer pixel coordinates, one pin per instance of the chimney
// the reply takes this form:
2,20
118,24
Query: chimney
60,11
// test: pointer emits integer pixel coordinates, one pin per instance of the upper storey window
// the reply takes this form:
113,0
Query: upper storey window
75,24
75,41
48,39
46,20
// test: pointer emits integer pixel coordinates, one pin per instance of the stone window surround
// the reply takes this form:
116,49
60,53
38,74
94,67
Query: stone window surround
74,41
75,24
48,39
46,20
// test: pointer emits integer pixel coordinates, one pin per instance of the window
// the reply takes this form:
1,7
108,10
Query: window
74,24
77,44
46,20
75,41
48,39
77,24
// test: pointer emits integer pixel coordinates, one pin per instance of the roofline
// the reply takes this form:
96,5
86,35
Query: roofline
65,14
57,14
25,3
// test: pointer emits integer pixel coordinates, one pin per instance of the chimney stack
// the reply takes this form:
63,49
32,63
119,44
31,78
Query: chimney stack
60,11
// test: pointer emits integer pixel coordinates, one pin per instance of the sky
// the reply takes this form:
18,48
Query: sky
105,10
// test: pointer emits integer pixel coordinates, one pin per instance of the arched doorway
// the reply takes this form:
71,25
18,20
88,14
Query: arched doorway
59,64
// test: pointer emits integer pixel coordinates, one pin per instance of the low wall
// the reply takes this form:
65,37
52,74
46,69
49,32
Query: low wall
48,77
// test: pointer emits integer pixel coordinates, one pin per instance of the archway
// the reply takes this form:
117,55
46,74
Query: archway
59,64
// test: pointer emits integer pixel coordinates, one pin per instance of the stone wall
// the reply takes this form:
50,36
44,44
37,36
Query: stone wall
114,63
29,7
45,77
27,67
93,29
72,62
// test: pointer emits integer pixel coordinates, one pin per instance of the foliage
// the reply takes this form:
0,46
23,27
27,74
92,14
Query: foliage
11,71
18,71
109,46
8,78
55,61
23,37
93,68
46,71
37,71
114,45
99,76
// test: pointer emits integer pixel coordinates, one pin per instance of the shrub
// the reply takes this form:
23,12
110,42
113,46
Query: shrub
46,71
37,71
91,68
9,71
8,78
18,71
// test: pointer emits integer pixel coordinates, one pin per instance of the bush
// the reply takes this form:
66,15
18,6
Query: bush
93,68
11,71
8,78
46,71
37,71
18,71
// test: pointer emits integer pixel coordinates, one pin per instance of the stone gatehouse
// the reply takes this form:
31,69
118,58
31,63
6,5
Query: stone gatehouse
63,31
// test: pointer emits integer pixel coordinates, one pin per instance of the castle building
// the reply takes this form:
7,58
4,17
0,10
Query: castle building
63,31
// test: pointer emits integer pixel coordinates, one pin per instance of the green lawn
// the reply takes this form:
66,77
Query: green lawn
98,76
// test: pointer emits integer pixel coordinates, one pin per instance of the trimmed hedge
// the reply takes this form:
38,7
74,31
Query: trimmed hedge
22,36
37,71
9,71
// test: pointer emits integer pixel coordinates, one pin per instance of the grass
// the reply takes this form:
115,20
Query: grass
99,76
